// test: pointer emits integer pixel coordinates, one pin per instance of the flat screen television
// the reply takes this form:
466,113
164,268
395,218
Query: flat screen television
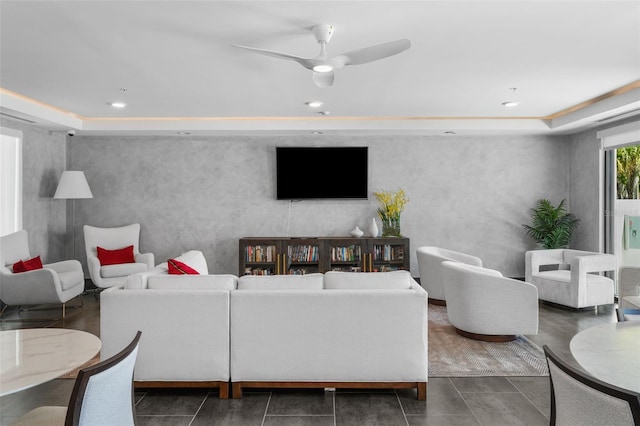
305,173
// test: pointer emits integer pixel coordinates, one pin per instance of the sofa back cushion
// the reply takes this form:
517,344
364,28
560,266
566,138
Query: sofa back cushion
192,282
395,280
280,282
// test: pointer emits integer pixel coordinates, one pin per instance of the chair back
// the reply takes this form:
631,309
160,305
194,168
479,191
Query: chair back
577,398
111,238
430,259
14,247
103,393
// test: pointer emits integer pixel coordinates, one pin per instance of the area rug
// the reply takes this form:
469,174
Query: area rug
451,355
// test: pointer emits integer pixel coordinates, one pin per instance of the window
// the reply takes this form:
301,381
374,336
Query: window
10,181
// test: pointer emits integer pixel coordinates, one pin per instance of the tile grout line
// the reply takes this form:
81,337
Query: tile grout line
335,420
402,409
264,417
199,408
527,398
464,400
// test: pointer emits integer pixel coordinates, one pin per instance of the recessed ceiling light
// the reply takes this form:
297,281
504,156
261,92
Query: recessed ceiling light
315,132
450,132
324,112
183,133
117,104
323,68
314,104
510,104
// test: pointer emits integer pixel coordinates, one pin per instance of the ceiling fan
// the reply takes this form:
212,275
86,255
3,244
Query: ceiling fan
323,67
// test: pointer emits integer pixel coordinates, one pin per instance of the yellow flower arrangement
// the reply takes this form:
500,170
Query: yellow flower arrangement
392,204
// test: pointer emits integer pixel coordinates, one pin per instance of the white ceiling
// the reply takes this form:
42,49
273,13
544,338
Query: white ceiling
61,62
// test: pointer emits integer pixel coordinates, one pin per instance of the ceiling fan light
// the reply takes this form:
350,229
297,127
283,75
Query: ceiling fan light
323,68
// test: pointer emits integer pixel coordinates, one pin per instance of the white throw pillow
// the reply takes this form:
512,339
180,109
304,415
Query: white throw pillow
394,280
280,282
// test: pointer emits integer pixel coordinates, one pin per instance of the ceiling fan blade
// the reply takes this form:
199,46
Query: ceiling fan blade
323,79
373,53
305,62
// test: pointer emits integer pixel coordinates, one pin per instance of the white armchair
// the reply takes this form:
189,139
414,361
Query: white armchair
629,287
113,239
429,267
484,305
56,283
573,284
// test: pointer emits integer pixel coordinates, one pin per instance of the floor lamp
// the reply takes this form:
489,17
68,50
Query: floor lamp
73,185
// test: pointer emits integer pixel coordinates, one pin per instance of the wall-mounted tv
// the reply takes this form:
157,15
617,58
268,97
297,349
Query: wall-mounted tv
305,173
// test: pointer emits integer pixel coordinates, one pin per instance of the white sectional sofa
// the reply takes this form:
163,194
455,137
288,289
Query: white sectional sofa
343,330
350,330
184,321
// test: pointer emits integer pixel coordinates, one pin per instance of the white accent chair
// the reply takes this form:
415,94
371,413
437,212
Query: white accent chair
579,399
484,305
113,239
102,395
573,284
56,283
629,287
429,260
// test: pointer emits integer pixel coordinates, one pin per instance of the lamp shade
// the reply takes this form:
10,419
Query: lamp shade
73,185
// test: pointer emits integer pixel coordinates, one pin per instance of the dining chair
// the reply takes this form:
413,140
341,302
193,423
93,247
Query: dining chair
102,395
580,399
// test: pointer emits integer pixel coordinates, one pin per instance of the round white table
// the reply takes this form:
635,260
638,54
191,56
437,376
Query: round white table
611,353
33,356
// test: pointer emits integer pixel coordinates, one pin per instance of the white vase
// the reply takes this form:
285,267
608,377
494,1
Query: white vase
373,229
356,232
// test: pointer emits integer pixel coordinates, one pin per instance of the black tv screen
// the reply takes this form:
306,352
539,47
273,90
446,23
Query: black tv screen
305,173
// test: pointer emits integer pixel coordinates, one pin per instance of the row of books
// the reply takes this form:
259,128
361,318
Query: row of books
388,252
258,271
260,254
346,254
303,253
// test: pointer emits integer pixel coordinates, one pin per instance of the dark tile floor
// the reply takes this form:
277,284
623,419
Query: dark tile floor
450,400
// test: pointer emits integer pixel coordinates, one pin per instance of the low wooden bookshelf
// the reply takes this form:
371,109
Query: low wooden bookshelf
306,255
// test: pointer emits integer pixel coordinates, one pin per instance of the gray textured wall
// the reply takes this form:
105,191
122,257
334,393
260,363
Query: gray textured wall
466,193
43,161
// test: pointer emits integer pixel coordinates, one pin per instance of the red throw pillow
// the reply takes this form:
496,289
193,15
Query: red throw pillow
179,268
116,257
27,265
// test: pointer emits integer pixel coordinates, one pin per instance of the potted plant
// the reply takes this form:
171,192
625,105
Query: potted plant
551,226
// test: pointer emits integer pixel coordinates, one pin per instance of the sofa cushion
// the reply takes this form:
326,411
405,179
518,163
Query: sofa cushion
180,268
115,257
367,280
70,279
280,282
189,282
27,265
564,276
122,269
